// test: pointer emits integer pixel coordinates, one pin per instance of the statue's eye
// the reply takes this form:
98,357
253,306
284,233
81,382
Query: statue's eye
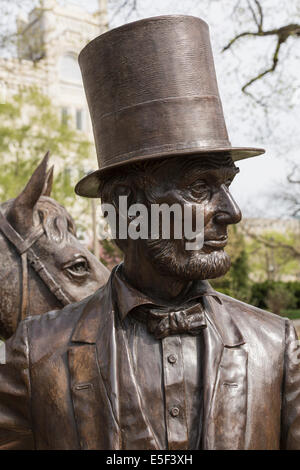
199,189
78,268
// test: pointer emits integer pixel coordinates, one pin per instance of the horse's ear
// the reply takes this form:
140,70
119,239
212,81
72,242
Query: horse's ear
48,183
20,215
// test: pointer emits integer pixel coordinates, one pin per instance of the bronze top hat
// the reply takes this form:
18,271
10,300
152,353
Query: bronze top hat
152,92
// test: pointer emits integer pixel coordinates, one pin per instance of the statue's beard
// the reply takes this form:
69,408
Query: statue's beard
169,258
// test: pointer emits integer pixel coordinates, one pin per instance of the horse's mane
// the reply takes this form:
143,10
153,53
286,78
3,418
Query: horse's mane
57,222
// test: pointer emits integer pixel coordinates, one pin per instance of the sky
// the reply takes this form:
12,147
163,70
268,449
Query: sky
275,127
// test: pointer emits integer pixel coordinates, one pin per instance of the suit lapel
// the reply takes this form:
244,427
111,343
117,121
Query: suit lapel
94,387
103,393
137,433
225,380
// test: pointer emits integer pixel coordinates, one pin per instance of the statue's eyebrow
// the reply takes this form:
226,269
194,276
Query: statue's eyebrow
202,172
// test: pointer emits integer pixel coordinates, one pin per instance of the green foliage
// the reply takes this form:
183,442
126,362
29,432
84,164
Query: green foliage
236,282
240,270
279,298
29,126
252,260
270,257
291,314
260,290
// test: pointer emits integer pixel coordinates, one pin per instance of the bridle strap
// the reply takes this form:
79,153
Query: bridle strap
15,238
45,275
24,301
24,248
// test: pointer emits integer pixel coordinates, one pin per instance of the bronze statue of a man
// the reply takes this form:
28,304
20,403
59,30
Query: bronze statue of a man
156,359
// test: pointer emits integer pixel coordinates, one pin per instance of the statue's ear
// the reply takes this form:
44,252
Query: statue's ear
121,190
20,215
133,196
48,183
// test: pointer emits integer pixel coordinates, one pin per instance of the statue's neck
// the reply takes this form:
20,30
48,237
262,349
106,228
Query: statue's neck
146,278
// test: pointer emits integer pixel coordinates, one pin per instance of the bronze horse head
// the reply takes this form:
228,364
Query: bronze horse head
43,266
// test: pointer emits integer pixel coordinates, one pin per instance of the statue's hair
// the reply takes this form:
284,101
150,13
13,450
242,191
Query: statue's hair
57,222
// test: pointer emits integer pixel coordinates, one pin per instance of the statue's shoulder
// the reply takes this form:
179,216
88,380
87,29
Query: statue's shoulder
249,316
53,331
50,322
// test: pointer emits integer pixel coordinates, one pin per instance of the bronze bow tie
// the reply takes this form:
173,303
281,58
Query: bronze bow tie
162,321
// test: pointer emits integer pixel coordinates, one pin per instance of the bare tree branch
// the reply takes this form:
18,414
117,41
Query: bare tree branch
256,21
290,176
241,35
132,9
261,15
9,38
269,70
272,243
282,34
124,4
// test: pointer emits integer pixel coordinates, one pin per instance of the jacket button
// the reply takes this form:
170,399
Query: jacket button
174,411
172,358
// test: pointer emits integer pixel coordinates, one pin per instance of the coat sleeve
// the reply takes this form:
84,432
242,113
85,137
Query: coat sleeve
15,416
290,417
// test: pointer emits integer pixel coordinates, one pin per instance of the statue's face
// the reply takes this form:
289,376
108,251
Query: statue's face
208,189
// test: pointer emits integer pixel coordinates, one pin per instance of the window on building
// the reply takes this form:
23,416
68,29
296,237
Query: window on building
64,115
69,70
79,119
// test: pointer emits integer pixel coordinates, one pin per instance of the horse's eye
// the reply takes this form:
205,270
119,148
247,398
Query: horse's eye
78,268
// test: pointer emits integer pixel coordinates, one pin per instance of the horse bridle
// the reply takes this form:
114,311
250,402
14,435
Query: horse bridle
28,255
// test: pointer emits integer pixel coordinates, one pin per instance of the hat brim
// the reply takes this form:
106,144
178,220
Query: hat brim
89,185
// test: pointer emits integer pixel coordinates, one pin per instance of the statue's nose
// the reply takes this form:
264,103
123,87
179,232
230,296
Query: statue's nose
227,210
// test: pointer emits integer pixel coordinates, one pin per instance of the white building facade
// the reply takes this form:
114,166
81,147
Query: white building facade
50,40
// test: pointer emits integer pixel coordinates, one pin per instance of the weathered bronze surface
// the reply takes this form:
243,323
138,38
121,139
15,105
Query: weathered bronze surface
156,359
43,265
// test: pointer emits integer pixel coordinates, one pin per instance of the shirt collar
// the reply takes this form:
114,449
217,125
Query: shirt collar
128,298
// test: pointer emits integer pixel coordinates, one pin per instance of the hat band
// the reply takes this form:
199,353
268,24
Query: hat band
162,100
168,124
168,149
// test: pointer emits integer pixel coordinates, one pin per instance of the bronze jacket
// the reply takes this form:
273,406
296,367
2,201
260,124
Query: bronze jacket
58,389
